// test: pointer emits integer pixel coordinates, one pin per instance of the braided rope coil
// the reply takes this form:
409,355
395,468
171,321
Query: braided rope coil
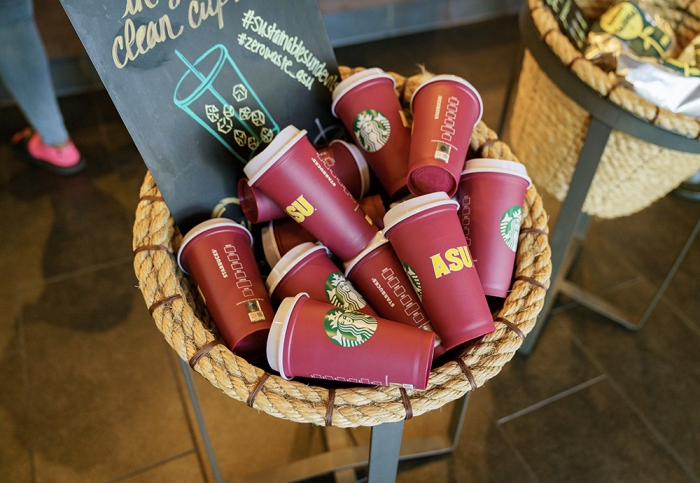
182,319
548,129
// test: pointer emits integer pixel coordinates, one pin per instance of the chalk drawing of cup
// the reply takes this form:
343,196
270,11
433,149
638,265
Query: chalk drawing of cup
215,93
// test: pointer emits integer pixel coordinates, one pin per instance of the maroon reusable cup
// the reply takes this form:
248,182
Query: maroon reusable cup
369,108
317,340
348,164
445,110
491,194
280,236
307,268
256,206
217,255
427,236
344,159
290,171
373,206
378,274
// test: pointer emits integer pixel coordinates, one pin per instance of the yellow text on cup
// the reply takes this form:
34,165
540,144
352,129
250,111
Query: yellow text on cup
300,209
457,259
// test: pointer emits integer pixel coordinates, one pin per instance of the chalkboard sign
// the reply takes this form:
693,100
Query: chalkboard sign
203,86
571,21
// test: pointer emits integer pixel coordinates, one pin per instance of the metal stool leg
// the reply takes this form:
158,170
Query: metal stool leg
200,421
669,277
340,457
384,449
568,223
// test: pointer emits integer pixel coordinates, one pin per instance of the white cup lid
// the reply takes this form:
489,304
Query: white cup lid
481,165
356,79
376,242
362,165
289,261
260,163
415,205
206,226
272,252
277,334
455,79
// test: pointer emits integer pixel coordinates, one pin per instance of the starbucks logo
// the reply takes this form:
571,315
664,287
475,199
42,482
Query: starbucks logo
372,130
341,293
413,277
510,226
347,328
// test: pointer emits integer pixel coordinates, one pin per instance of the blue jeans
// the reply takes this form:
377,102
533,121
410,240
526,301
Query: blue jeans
24,69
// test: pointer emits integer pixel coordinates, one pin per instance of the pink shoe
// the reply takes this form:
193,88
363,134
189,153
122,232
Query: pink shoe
64,160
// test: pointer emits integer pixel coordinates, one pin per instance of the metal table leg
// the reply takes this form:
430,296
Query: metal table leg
384,449
570,219
200,421
338,460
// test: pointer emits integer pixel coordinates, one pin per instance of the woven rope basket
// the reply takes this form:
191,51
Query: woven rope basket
182,318
547,128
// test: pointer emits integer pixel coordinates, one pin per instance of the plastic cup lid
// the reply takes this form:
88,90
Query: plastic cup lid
270,248
376,242
480,165
415,205
204,227
361,162
289,261
356,79
276,336
284,140
455,79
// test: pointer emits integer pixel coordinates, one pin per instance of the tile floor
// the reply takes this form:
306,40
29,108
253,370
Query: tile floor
92,393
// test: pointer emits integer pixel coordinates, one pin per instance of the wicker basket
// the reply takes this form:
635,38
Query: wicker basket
182,317
547,129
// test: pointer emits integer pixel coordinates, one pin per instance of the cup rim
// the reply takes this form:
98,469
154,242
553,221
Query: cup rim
264,160
361,165
456,79
270,248
290,260
414,206
356,79
204,227
278,333
377,241
491,165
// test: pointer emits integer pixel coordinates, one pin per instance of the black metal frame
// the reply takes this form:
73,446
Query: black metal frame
383,454
572,222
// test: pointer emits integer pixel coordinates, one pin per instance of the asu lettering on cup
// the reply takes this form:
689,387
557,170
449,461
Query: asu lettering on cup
455,259
300,209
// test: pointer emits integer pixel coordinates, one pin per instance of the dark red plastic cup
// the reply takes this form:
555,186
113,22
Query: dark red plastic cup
344,159
307,268
293,175
217,255
280,236
378,274
491,194
373,206
257,206
316,340
445,110
427,236
349,165
368,106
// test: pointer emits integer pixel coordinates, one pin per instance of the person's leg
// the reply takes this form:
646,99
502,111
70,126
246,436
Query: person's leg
24,69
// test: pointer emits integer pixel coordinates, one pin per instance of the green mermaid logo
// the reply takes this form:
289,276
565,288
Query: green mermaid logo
372,130
413,277
510,226
347,328
341,293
